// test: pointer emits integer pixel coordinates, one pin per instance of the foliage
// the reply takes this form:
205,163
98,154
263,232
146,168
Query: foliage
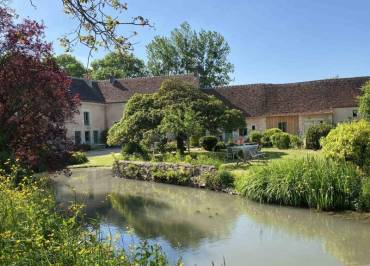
104,137
82,147
180,177
35,98
177,108
232,119
133,148
256,137
70,65
222,180
364,101
220,146
281,140
78,157
267,134
350,142
186,51
181,122
315,133
295,141
33,233
194,141
208,142
309,182
118,65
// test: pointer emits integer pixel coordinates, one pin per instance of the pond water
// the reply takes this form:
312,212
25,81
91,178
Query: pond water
203,226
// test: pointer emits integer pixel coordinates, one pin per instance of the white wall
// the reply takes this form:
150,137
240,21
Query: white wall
114,112
305,121
344,114
97,121
258,122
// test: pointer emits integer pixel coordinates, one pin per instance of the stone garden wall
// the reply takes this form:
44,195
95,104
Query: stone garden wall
171,173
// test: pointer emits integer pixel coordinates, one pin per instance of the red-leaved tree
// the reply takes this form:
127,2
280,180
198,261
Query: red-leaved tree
35,100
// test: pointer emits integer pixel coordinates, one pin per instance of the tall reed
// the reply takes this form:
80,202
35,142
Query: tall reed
309,182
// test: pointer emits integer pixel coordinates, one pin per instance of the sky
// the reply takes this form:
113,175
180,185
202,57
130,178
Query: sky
272,41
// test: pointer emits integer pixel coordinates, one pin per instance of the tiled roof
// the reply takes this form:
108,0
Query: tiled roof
87,90
122,89
301,97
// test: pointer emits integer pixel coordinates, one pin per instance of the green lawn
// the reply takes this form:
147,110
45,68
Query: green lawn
218,159
99,161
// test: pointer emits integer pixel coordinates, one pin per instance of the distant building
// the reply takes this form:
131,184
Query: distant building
292,107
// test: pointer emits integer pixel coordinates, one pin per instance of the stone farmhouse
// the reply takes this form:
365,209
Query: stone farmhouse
292,107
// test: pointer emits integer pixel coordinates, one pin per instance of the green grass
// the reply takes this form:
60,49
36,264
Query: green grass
33,232
99,161
217,159
312,182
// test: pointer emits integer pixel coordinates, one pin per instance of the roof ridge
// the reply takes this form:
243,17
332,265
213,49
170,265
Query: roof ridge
147,77
289,83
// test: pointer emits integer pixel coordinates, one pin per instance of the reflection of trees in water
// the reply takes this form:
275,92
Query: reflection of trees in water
186,216
182,216
179,215
347,240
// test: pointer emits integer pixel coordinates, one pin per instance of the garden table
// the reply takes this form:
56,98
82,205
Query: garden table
246,149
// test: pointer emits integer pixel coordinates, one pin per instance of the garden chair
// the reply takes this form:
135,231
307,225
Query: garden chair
256,155
231,153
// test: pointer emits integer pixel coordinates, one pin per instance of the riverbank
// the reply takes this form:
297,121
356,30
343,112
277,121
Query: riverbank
298,178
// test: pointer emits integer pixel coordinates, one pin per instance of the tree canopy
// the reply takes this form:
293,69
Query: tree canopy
187,51
365,101
119,66
70,65
178,108
34,96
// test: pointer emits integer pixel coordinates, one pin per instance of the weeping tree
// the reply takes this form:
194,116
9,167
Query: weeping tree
179,109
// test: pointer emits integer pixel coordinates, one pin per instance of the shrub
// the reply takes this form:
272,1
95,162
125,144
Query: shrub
256,136
221,180
132,148
208,142
78,157
365,194
350,142
220,146
194,141
315,133
281,140
266,138
295,142
310,182
33,233
83,147
171,146
180,177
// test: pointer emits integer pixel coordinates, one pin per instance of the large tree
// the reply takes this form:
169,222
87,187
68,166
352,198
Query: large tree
178,108
118,65
364,100
35,100
187,51
70,65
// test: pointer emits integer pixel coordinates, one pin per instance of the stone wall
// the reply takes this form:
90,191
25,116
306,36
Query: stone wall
172,173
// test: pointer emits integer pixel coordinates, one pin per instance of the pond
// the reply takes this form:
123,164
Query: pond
203,226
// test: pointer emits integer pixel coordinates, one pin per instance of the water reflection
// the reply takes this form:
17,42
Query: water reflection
205,225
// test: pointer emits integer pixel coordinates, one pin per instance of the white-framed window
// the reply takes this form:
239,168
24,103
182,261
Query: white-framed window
87,136
96,136
86,118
